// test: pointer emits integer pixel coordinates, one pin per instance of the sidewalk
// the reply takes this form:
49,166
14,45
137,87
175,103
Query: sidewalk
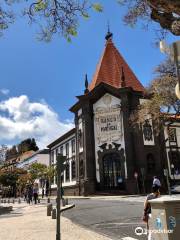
31,223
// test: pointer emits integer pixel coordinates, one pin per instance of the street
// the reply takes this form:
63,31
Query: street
115,218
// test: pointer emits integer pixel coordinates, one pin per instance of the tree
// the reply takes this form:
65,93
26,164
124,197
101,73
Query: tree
37,170
27,145
164,12
10,179
162,105
54,16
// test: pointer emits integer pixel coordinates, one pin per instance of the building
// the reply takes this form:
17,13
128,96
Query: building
11,163
41,156
65,145
109,154
172,145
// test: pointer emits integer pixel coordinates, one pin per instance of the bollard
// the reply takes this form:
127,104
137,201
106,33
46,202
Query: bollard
66,201
48,200
4,200
13,201
8,201
63,202
39,201
19,200
49,209
53,213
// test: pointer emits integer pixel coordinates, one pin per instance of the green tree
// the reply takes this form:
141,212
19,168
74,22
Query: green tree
37,170
27,145
54,17
10,179
62,16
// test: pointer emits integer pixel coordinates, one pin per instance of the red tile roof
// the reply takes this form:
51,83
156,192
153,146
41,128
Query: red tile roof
113,70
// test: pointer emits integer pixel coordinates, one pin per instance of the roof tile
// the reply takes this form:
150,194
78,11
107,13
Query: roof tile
113,70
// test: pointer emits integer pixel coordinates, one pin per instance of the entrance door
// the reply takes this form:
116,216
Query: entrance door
112,171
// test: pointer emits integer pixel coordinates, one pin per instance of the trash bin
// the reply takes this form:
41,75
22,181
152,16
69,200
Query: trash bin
165,221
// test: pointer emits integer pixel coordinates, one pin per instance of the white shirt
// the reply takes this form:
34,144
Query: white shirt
156,182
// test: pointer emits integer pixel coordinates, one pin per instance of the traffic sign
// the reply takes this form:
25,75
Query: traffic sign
61,163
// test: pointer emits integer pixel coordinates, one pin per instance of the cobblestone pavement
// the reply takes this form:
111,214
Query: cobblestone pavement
31,223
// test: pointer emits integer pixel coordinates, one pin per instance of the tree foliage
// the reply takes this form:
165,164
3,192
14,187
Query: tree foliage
53,16
37,170
10,178
27,145
164,12
162,104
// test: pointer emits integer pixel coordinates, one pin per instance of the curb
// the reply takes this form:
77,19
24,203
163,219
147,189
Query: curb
67,207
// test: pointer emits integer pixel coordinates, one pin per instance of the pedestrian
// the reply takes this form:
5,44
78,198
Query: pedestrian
35,193
29,194
147,206
25,195
42,192
156,182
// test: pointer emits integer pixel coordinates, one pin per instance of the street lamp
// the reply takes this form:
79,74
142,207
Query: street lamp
174,52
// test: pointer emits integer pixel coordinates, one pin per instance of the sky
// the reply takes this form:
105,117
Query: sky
39,81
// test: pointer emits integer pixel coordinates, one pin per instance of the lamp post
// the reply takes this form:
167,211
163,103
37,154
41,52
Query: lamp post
60,162
174,52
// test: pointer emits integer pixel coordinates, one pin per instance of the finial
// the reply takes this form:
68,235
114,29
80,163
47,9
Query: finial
123,84
109,34
86,85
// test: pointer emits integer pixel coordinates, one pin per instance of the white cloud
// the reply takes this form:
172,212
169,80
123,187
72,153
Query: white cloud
4,91
20,119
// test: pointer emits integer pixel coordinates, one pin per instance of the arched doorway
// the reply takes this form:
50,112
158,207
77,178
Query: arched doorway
112,172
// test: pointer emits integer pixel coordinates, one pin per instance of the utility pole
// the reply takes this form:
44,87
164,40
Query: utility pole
60,163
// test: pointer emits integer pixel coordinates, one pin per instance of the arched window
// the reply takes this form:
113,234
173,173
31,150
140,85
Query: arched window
151,165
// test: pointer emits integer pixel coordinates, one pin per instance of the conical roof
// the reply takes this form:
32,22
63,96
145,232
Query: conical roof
113,70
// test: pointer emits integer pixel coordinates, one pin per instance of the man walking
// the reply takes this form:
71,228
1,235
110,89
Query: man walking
35,193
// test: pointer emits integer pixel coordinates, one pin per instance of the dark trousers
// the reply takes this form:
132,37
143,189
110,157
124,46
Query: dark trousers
35,198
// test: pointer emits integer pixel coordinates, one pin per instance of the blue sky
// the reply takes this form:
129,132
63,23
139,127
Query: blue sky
52,74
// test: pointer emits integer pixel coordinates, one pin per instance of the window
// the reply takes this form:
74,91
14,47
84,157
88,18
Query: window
52,157
73,169
67,172
172,134
150,164
174,157
73,145
67,149
57,152
61,150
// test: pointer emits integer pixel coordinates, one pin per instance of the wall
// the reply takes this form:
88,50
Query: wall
108,125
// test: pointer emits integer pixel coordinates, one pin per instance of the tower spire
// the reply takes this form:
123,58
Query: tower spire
109,34
86,85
